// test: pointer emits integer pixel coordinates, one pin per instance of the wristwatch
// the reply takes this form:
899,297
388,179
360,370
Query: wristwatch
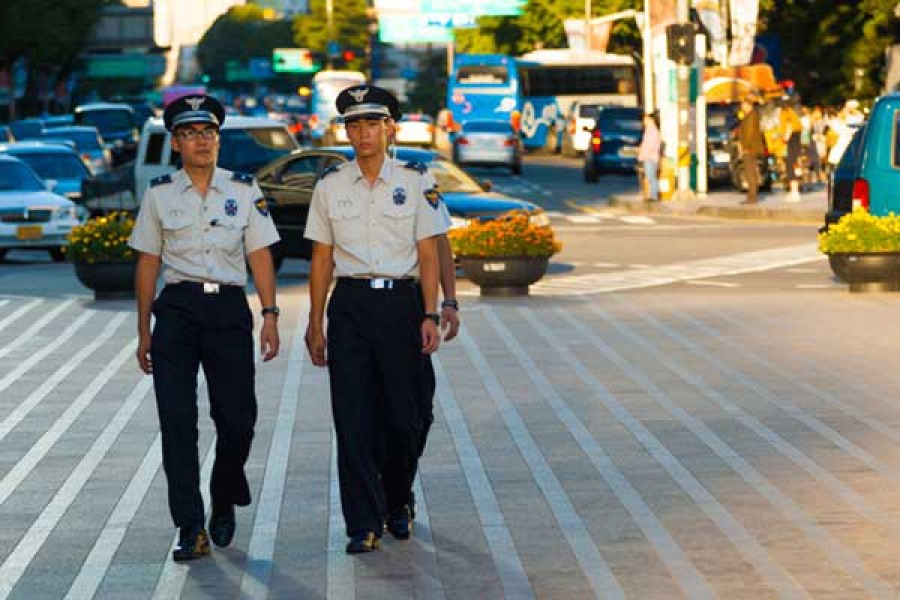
271,310
454,304
434,317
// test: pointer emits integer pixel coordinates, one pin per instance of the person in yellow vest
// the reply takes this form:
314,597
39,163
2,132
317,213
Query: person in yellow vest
790,128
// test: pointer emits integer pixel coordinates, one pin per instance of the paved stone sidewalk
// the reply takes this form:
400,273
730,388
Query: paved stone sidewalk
646,446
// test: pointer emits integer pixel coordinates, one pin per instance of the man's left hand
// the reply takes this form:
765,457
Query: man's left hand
431,337
449,322
268,339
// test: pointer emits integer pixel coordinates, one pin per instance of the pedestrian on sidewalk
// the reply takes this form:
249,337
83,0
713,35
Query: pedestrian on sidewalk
649,155
374,222
791,128
752,146
201,225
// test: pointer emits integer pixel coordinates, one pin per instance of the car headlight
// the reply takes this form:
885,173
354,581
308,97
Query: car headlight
539,219
456,222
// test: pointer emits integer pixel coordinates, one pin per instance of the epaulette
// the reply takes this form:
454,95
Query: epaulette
243,178
416,166
161,180
333,168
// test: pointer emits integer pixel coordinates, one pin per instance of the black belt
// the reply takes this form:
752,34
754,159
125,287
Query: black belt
207,287
378,283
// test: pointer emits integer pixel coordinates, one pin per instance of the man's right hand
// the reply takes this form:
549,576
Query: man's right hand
143,354
315,344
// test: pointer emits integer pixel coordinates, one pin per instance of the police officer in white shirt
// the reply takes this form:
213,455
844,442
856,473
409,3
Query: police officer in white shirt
202,224
374,222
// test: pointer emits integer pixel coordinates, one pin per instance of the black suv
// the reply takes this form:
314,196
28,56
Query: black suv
614,143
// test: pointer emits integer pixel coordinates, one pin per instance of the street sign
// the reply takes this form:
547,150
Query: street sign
411,29
293,60
451,20
474,8
261,68
237,71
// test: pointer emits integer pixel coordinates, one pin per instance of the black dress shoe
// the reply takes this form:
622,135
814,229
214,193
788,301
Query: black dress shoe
193,543
222,525
363,542
399,523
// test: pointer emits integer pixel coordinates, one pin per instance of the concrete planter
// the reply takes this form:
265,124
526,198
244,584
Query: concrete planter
107,279
508,276
867,271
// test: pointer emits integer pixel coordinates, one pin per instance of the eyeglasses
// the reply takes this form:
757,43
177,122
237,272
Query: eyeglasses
190,135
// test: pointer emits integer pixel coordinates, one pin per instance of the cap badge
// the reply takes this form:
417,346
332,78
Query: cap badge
359,94
195,103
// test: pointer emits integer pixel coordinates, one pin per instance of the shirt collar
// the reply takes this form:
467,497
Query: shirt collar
384,175
218,182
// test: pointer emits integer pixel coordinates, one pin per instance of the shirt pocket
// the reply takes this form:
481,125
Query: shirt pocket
227,238
400,224
177,234
346,221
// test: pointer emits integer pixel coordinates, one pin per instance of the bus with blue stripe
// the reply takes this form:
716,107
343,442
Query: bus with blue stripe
535,92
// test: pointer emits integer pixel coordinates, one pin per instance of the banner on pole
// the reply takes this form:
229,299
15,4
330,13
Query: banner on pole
743,31
710,13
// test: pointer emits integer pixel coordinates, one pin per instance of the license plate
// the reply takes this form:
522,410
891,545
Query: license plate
628,151
29,232
721,157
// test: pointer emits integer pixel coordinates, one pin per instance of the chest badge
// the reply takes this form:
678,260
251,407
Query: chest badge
231,207
399,196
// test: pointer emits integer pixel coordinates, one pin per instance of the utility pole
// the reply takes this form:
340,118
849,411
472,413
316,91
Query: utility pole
683,158
329,20
587,24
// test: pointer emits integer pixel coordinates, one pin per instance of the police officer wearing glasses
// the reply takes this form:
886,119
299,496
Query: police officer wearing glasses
374,222
201,225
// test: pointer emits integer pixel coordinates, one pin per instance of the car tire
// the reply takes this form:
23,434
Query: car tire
737,177
590,173
57,254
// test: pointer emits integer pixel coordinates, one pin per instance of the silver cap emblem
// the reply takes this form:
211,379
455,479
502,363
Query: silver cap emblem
359,94
195,103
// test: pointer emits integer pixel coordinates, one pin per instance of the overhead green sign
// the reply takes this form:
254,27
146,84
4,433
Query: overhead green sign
474,7
100,66
293,60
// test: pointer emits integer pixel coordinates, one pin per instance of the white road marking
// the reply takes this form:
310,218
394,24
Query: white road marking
339,571
816,286
637,220
29,333
584,218
724,284
18,313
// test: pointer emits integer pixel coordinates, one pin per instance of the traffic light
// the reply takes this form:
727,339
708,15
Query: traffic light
680,43
349,55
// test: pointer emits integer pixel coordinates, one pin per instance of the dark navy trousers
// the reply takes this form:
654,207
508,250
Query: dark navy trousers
215,331
376,366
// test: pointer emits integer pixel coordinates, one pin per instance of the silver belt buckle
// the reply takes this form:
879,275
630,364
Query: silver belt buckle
379,283
210,288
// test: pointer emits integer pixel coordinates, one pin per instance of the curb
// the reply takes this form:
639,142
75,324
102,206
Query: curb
759,213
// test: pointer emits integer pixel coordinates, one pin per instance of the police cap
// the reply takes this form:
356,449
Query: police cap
193,109
367,102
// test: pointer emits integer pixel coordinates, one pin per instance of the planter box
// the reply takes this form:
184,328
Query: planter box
867,271
509,276
107,279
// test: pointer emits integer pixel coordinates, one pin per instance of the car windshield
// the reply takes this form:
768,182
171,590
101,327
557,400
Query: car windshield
246,150
587,111
620,119
107,120
721,119
15,176
56,165
487,127
84,140
451,178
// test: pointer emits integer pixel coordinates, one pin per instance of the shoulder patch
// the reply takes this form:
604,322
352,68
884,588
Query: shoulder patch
161,180
243,178
262,206
416,166
433,196
334,168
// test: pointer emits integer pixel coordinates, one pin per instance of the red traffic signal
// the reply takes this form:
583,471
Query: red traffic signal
349,55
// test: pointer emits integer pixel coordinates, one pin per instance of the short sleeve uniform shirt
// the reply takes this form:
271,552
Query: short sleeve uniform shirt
374,229
203,239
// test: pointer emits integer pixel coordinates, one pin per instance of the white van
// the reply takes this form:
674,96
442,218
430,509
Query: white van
246,144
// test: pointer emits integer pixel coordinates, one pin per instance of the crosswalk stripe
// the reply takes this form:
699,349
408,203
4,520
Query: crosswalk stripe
29,333
503,552
40,448
258,573
339,569
104,549
426,582
18,313
595,569
680,566
850,496
33,399
830,546
15,564
740,538
637,220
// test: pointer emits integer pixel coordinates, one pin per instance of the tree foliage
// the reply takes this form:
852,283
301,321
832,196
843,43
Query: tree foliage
348,29
238,35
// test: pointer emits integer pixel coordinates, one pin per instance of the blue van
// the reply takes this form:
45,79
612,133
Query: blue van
868,174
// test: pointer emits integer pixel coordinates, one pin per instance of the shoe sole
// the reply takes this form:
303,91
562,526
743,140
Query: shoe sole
201,551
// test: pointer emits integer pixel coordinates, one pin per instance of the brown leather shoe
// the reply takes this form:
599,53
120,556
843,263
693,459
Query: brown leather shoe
193,543
363,542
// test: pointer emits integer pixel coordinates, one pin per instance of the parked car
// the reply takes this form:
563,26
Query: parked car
581,121
335,133
88,144
31,216
288,184
415,130
117,125
488,143
867,174
246,144
52,121
57,164
721,119
615,141
27,129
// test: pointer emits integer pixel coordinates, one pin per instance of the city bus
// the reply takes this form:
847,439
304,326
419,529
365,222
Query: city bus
535,92
326,85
